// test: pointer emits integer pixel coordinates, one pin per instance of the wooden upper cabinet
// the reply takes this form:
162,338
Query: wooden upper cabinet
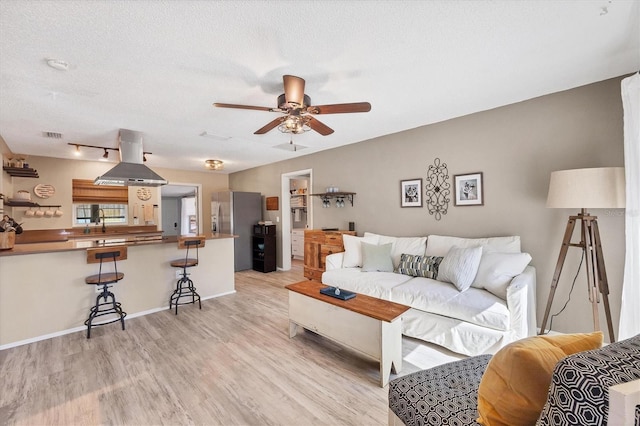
84,191
318,245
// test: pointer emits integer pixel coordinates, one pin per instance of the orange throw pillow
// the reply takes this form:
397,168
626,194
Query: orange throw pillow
515,384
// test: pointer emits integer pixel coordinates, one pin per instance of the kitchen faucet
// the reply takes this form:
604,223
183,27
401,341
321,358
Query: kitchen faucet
104,228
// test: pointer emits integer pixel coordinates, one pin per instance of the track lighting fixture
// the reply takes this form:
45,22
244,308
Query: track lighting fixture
106,150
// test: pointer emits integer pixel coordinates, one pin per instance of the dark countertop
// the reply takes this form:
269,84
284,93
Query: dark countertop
84,242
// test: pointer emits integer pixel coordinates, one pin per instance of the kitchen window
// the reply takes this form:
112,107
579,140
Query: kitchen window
114,214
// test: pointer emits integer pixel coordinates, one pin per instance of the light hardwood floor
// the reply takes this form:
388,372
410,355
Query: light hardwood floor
231,363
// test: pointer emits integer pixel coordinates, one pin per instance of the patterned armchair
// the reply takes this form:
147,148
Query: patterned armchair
579,391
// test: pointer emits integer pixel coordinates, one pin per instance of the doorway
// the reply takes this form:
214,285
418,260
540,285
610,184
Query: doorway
288,215
181,209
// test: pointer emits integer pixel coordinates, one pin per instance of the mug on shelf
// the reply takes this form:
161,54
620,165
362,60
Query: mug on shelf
29,213
58,213
48,213
39,213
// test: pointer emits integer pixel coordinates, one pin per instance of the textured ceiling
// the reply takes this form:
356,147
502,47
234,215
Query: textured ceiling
157,67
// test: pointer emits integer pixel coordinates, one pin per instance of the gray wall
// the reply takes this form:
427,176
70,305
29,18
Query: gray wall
516,147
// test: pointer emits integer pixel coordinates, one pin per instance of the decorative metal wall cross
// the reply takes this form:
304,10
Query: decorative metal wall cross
437,189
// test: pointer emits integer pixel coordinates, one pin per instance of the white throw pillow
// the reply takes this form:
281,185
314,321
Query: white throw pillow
438,245
353,251
376,257
401,245
459,266
496,271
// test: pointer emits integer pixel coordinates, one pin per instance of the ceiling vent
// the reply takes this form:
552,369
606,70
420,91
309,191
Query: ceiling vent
52,135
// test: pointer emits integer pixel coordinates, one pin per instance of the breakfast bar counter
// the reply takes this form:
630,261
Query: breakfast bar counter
43,293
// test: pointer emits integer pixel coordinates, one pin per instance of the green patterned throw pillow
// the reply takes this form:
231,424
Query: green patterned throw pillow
419,266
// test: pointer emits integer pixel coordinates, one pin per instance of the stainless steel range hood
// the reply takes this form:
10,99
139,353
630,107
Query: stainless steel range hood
130,171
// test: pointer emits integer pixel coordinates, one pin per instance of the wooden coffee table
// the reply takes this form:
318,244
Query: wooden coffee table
366,324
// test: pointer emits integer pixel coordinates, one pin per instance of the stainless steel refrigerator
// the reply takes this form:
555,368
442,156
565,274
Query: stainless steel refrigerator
234,212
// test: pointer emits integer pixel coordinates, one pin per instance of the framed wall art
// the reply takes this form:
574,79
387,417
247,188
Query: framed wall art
468,189
411,193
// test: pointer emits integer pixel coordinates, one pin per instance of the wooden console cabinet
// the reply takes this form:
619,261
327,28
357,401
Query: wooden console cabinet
318,245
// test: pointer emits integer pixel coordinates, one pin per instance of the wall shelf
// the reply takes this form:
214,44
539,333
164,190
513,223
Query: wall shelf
327,195
27,204
21,172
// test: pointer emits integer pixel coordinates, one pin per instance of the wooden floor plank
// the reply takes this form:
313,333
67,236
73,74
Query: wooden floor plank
231,363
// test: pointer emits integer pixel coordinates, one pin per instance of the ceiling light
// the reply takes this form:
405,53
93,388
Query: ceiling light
294,124
77,150
106,153
214,164
58,64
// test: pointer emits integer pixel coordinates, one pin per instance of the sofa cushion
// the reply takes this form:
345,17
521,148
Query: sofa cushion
460,266
496,270
375,284
408,245
587,377
514,386
376,257
438,245
353,250
474,305
419,266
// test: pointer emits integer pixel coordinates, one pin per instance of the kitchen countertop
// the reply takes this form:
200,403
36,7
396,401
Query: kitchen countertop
83,242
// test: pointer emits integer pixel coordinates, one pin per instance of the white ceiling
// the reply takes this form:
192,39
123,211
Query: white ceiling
157,67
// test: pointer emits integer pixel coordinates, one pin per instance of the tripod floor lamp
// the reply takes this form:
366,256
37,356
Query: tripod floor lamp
582,189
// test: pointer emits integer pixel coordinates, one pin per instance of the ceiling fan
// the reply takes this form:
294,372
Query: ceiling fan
297,110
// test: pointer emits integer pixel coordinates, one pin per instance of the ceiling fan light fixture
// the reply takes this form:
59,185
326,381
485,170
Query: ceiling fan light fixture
214,164
294,124
297,109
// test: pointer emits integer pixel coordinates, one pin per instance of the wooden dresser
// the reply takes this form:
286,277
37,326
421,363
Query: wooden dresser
318,245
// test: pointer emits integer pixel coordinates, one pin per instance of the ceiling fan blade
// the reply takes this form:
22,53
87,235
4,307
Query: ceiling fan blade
258,108
318,126
340,108
293,90
271,125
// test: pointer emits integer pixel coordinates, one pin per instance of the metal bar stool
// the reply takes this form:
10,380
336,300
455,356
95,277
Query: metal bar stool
184,286
109,306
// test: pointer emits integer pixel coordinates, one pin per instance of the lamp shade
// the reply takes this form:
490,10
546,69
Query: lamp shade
595,188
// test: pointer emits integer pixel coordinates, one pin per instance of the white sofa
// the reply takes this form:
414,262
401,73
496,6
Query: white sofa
498,307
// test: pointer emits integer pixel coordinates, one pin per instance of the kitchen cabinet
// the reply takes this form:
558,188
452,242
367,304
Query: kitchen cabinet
318,244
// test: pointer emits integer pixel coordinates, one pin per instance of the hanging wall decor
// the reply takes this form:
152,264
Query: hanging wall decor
437,189
411,193
468,189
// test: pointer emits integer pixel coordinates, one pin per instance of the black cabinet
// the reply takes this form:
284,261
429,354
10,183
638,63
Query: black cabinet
263,246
